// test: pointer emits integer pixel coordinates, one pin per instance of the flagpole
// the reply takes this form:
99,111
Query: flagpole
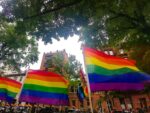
23,83
88,84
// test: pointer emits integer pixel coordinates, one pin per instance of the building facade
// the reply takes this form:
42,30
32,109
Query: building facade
100,100
107,103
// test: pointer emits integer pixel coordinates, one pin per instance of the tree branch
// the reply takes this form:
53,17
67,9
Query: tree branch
47,3
123,29
55,9
134,21
139,21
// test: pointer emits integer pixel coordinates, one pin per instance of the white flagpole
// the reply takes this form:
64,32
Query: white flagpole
23,84
88,84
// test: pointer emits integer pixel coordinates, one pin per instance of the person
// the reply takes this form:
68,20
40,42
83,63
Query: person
33,109
131,111
100,110
123,111
7,108
113,111
140,110
2,109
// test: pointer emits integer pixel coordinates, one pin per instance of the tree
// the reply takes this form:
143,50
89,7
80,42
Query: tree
100,23
121,21
141,55
16,50
45,19
69,67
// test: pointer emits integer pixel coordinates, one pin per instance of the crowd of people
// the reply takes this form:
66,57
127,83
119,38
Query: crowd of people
34,108
28,108
138,110
38,108
49,109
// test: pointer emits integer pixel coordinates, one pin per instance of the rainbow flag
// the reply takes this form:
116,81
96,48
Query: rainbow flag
82,75
86,91
84,83
45,88
80,93
9,89
106,72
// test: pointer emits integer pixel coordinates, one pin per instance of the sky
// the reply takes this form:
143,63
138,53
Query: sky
1,8
71,45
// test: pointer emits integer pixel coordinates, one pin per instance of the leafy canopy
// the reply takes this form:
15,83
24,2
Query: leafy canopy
121,24
63,64
120,20
16,50
45,19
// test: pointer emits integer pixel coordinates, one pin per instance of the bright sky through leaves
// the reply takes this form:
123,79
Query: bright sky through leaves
71,45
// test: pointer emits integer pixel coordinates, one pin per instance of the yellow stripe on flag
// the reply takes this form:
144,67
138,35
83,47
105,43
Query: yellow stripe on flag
45,83
94,61
10,88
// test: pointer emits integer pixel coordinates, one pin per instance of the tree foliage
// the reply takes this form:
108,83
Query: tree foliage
121,21
123,24
141,54
46,19
67,66
16,50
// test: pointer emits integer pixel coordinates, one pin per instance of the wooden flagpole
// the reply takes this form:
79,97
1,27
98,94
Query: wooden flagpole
88,84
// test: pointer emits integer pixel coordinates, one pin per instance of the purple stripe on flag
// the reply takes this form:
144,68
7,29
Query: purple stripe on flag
115,86
31,99
146,82
2,98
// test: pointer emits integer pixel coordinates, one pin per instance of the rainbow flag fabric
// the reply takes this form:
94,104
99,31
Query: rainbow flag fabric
80,93
82,76
45,88
86,91
9,89
84,83
106,72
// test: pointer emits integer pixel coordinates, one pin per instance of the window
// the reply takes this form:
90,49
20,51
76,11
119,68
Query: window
81,104
122,103
88,103
121,100
111,53
143,103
